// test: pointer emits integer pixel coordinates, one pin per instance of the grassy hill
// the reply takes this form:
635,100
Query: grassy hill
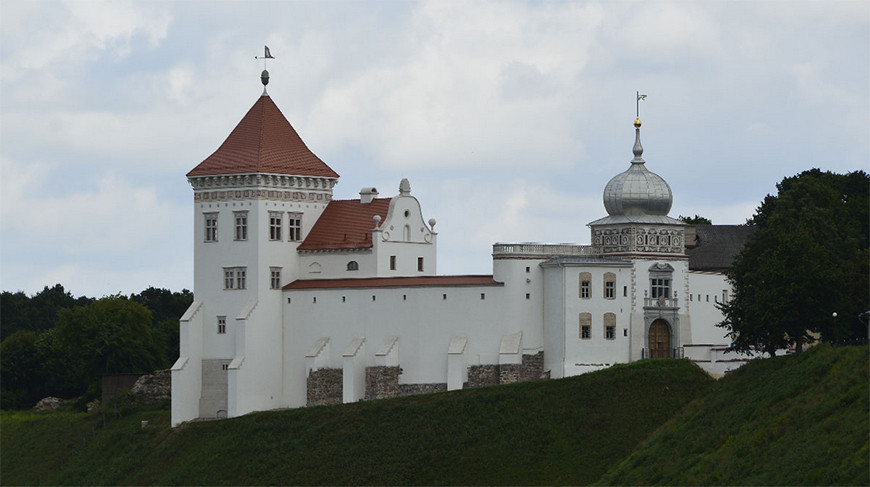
797,420
652,421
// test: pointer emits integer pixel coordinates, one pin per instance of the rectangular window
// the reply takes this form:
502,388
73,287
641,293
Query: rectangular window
241,218
585,326
724,296
222,325
225,366
211,221
294,226
275,277
234,277
610,326
624,291
660,288
609,285
392,262
584,289
420,264
275,219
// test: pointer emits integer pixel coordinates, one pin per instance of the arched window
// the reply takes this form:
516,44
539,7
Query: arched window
352,266
585,326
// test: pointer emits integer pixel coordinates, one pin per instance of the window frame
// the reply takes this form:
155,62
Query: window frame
240,226
275,278
294,226
221,325
210,226
585,279
276,222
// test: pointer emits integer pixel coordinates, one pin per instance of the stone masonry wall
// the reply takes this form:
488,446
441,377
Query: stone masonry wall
413,389
324,387
532,368
382,381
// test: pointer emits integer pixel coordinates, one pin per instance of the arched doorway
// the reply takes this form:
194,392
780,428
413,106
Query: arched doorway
659,339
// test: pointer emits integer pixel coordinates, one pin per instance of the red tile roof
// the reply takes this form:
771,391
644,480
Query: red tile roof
264,142
394,282
345,224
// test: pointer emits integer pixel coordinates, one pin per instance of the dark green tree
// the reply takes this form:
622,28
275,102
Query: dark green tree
695,220
112,335
20,370
807,259
37,313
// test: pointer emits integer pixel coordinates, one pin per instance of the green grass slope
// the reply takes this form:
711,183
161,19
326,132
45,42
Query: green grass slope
803,419
551,432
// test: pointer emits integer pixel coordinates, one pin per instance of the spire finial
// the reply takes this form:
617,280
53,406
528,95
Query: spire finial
264,76
637,149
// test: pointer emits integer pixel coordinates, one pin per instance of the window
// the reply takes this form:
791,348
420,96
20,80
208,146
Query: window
211,221
528,296
419,264
585,326
235,277
585,285
275,277
724,296
444,297
528,269
610,326
660,288
241,219
353,265
225,366
294,226
222,325
624,291
482,296
609,285
392,262
275,225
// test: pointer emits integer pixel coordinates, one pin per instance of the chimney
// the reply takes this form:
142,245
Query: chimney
366,195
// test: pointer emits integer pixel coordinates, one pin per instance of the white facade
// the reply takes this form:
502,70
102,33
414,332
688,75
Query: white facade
302,300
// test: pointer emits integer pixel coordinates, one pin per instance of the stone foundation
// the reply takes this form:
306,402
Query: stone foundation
532,368
324,387
414,389
382,381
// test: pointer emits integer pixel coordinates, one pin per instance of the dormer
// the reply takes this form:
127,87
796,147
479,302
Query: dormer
404,243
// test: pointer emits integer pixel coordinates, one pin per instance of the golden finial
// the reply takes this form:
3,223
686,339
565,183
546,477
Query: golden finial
637,123
637,114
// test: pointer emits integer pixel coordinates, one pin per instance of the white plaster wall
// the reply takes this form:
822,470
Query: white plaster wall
523,297
706,290
187,370
585,355
333,265
421,317
554,320
405,234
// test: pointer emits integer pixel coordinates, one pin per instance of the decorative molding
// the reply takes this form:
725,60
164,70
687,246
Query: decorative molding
639,239
261,194
262,186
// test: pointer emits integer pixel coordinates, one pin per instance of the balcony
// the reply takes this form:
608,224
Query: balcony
663,303
542,250
659,353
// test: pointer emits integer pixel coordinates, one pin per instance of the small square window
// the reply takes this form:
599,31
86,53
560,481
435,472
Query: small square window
314,299
392,262
444,297
419,264
528,296
585,332
225,366
374,297
625,332
482,295
528,269
404,297
610,332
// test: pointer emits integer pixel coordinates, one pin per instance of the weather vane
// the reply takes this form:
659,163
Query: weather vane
639,98
265,56
264,76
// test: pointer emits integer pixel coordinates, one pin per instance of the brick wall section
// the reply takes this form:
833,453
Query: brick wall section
382,381
324,387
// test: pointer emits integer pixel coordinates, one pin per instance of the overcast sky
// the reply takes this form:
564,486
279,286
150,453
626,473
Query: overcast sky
508,118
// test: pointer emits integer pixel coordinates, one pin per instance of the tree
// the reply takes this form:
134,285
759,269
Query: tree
806,260
112,335
695,220
37,313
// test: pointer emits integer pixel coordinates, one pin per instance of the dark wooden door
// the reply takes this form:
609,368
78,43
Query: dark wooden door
659,339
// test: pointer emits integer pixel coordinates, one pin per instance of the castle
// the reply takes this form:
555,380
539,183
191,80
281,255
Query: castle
300,299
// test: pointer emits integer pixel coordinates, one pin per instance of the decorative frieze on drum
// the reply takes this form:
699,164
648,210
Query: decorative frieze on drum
647,239
261,194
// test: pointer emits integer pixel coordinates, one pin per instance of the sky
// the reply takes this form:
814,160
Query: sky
507,117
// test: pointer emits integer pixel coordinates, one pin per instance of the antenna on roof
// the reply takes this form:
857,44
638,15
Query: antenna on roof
264,76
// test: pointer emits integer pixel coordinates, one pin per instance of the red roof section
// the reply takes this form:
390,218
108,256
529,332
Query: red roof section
263,142
394,282
345,224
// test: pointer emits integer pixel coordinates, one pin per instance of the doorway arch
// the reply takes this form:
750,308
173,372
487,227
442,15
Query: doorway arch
659,339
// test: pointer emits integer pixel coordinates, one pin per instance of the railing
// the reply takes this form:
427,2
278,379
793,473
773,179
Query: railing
656,353
661,303
542,249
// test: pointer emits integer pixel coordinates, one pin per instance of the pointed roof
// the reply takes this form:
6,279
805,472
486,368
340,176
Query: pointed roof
345,224
263,142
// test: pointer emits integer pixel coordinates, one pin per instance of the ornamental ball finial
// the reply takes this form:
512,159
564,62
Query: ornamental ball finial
637,123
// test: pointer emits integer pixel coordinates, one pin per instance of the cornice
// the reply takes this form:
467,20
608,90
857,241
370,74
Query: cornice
261,180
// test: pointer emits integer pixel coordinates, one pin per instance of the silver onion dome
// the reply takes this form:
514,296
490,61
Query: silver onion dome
637,191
